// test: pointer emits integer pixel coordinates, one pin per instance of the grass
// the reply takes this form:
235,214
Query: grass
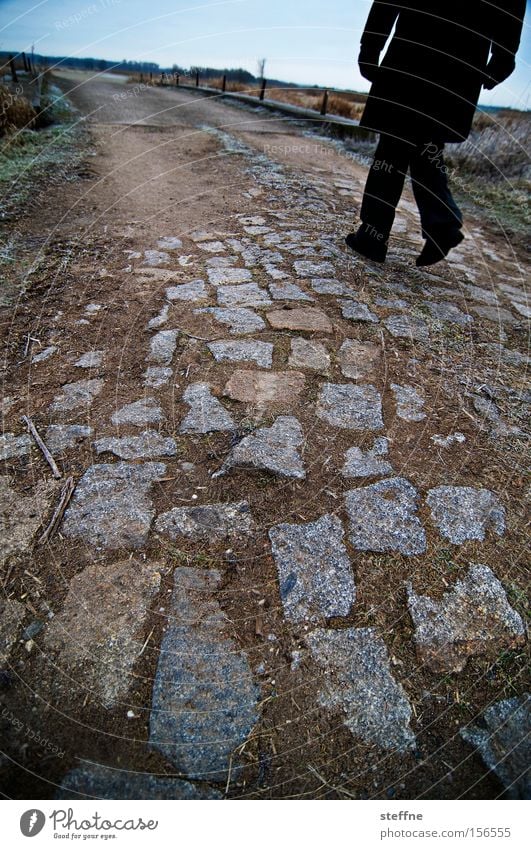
31,161
489,173
31,156
15,111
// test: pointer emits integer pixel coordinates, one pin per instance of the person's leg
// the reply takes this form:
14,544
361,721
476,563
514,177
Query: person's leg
440,217
385,183
382,192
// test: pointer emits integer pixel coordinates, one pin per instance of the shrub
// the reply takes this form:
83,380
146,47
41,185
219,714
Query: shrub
16,112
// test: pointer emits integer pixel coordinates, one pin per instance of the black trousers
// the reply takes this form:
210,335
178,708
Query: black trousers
438,210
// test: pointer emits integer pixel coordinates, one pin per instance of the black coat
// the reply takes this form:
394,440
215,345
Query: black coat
429,81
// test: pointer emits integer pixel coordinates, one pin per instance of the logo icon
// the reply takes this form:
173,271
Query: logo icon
32,822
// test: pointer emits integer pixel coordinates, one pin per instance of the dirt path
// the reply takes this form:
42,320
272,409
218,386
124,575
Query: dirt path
294,561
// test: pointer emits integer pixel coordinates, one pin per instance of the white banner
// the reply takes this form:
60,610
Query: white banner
255,825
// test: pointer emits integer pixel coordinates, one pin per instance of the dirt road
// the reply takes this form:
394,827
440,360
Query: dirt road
294,561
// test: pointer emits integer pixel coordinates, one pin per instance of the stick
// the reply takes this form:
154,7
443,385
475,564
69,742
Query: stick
66,495
48,457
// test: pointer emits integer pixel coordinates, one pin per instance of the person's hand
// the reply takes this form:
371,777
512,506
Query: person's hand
497,71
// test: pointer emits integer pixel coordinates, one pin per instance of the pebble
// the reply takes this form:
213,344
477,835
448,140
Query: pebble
286,291
240,320
169,243
272,449
473,618
328,286
258,387
306,268
368,464
147,444
157,376
195,290
12,445
245,295
251,351
154,258
448,441
44,355
162,347
206,413
92,359
357,681
355,407
206,521
408,327
74,396
159,319
357,311
408,403
60,437
503,741
383,517
142,412
308,353
446,311
499,315
359,360
314,570
205,702
96,781
300,318
464,512
225,276
100,626
111,507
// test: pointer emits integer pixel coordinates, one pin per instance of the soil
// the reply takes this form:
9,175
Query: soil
158,166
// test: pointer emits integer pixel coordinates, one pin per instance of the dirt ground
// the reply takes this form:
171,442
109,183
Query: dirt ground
167,163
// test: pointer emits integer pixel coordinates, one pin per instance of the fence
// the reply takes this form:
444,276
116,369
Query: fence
321,115
23,70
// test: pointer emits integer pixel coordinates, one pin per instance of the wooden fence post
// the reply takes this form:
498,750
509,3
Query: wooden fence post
197,77
25,62
13,70
36,99
263,88
224,83
324,104
176,79
151,76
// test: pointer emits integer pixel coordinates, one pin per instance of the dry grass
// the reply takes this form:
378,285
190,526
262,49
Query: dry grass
16,112
345,104
498,148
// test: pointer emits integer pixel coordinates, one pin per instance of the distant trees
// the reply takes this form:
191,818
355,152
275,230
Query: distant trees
88,64
129,66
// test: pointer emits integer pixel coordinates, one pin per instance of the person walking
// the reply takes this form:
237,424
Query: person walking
424,94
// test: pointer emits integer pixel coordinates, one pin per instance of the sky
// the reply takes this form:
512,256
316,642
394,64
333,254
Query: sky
304,41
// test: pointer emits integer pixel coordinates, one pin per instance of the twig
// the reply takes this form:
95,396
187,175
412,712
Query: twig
66,495
5,580
47,456
29,340
228,776
147,641
327,783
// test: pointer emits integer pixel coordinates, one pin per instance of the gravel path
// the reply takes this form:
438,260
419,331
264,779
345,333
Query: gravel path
293,563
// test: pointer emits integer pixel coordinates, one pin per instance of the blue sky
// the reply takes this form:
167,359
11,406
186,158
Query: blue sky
304,41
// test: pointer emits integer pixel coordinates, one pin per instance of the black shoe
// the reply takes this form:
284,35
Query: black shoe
436,248
366,243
